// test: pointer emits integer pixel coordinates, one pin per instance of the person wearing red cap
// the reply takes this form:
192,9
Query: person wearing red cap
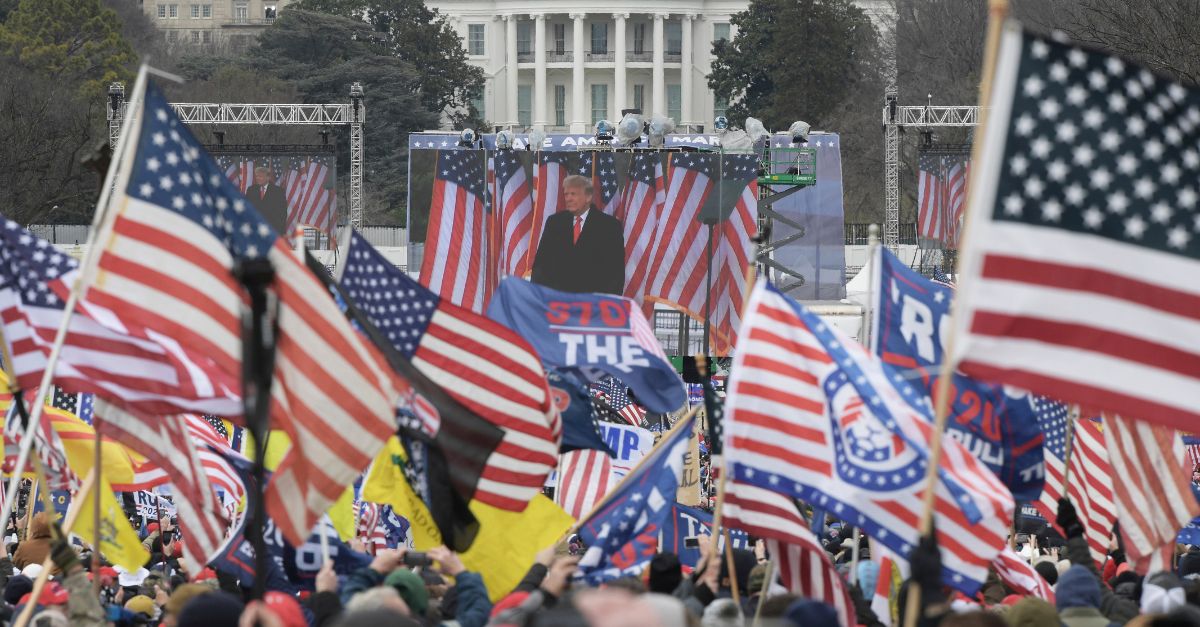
285,608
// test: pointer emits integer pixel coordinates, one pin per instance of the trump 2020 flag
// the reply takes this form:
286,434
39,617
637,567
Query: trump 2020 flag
622,535
998,425
811,414
591,333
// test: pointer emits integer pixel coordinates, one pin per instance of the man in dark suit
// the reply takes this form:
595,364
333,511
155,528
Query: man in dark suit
582,249
270,200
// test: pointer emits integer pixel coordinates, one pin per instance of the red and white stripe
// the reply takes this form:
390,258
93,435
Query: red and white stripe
639,209
1152,487
496,374
956,200
803,565
515,199
548,178
220,473
734,254
1072,315
454,246
881,597
164,440
1090,489
777,423
677,272
1016,573
585,476
167,276
311,197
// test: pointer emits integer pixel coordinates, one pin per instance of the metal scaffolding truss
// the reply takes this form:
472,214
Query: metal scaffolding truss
895,117
352,114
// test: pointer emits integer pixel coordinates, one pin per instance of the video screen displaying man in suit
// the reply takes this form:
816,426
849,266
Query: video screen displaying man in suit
270,200
582,249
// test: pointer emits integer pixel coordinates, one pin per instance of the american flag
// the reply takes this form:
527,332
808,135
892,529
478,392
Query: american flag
46,443
677,268
485,366
239,171
1152,486
165,441
941,195
515,200
804,566
552,169
1091,483
167,258
585,476
310,187
151,376
1082,249
940,277
638,210
601,167
455,245
1192,443
734,251
812,415
221,475
81,405
616,396
1016,573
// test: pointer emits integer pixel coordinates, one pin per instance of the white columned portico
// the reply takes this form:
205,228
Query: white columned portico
578,121
685,71
510,53
619,73
659,99
539,71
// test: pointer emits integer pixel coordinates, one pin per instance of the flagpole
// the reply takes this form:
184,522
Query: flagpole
617,488
997,13
762,594
80,284
97,468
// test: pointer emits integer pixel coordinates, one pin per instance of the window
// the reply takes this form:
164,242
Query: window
475,40
720,31
599,102
674,103
241,12
560,39
720,104
195,36
270,12
524,37
173,10
639,38
674,38
206,10
195,10
162,11
560,105
639,97
478,103
524,106
206,37
599,38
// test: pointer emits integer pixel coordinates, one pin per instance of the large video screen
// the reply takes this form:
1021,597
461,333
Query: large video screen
672,228
290,189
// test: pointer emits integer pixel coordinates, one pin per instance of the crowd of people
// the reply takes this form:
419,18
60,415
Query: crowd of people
724,589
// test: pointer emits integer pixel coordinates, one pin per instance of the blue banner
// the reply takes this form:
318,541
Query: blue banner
911,314
580,429
590,334
688,522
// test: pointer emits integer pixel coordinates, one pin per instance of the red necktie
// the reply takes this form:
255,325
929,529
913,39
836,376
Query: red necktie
262,192
578,227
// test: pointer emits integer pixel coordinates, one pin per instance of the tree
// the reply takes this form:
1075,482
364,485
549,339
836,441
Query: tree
795,59
68,40
419,36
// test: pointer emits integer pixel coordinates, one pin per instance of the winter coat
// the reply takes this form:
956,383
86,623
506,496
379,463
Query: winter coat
83,605
36,548
473,604
1118,609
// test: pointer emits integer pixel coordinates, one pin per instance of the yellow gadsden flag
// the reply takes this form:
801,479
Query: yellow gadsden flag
507,542
119,543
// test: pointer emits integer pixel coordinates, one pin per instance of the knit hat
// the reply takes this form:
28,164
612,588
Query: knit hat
143,604
665,573
1048,570
1032,612
1077,587
411,588
285,608
17,587
809,613
210,610
1161,593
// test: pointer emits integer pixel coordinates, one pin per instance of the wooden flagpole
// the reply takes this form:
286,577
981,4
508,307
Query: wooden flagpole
997,13
85,488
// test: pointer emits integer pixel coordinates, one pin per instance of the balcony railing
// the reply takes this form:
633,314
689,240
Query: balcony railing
558,57
600,56
673,57
525,57
639,57
251,21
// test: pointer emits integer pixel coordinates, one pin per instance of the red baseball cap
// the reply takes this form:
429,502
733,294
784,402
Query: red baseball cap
52,594
285,608
204,575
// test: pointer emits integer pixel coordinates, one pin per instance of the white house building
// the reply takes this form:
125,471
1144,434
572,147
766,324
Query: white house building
563,66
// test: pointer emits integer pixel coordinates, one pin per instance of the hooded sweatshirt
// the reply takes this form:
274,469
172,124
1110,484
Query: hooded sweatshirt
36,548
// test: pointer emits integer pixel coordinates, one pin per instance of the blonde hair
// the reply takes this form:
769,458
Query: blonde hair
581,182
